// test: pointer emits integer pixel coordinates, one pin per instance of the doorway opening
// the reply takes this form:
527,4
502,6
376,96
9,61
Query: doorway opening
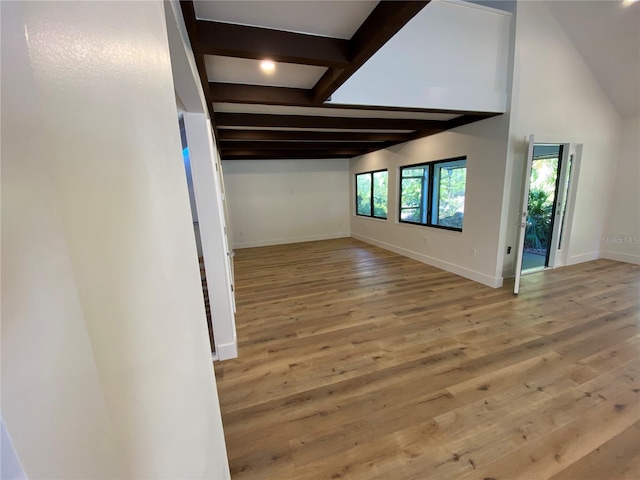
547,206
544,194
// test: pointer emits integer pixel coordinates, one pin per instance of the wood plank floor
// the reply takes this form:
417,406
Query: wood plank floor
359,363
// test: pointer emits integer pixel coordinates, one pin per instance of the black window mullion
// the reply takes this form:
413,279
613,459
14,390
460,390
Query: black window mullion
372,190
371,202
423,205
430,204
430,195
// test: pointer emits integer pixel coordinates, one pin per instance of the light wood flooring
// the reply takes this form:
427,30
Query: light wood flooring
359,363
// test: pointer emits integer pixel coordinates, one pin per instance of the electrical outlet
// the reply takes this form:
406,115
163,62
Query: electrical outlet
426,241
474,253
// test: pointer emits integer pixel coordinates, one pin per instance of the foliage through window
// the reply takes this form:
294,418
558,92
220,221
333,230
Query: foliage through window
371,194
433,194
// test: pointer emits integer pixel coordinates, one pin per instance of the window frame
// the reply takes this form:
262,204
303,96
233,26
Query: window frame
371,197
428,191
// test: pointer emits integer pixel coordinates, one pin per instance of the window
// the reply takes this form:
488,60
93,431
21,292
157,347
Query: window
371,194
432,194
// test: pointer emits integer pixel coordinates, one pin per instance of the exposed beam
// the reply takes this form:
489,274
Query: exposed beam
189,15
382,23
468,118
456,122
247,154
288,156
308,121
294,145
301,97
217,38
258,94
276,135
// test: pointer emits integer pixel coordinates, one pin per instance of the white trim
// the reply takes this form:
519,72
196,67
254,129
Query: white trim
563,254
283,241
523,213
583,257
226,351
620,257
206,186
494,282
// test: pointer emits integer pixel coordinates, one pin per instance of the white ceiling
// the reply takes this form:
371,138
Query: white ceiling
242,70
329,18
607,35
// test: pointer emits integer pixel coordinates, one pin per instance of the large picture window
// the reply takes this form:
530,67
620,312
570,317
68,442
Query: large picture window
371,194
432,194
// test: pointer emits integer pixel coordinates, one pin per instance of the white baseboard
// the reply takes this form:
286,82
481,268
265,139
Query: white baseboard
283,241
508,273
620,257
494,282
227,351
583,257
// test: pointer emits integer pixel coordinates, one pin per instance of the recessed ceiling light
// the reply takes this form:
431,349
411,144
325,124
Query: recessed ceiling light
267,66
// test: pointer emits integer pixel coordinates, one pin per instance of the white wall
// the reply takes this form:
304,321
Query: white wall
106,369
556,96
285,201
484,144
451,55
621,236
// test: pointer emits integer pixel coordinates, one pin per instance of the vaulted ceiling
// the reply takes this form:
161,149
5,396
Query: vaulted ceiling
607,35
316,46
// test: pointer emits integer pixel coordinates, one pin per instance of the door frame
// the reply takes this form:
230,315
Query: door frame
523,212
557,257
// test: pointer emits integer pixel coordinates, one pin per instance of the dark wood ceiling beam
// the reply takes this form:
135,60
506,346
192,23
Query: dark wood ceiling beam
297,145
308,121
382,23
230,40
230,154
278,135
288,155
258,94
468,118
300,97
189,15
453,123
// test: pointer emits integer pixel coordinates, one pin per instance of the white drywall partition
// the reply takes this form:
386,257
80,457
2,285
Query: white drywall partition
451,55
106,366
285,201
